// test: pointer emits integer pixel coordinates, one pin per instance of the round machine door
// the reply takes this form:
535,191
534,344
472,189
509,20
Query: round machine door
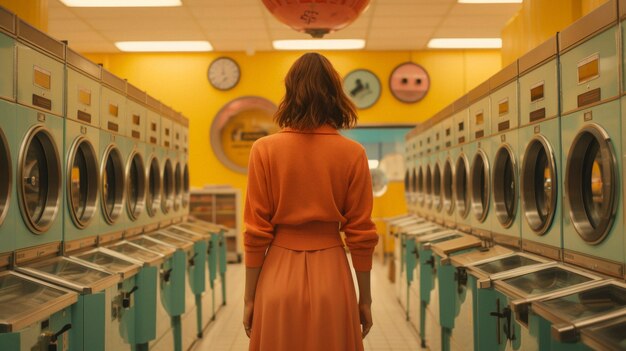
437,203
539,184
5,177
186,186
428,189
112,188
82,182
591,183
479,180
39,174
461,186
136,187
153,196
504,186
178,186
168,187
420,186
448,176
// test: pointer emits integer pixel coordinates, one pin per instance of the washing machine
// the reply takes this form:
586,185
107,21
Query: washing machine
38,166
409,147
420,170
155,166
167,126
435,161
81,150
137,162
184,165
506,219
447,159
480,165
540,148
427,169
34,315
593,235
412,169
461,153
113,156
8,143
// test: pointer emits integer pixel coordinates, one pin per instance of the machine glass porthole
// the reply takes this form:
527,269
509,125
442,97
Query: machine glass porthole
461,186
178,186
168,187
504,186
112,187
186,186
5,177
420,186
437,203
82,185
153,196
429,187
538,185
136,187
591,184
40,180
479,179
448,204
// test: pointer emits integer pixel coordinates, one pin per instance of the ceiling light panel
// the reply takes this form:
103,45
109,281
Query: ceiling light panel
122,3
465,43
319,44
164,46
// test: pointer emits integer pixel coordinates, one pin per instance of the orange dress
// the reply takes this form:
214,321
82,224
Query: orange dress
304,187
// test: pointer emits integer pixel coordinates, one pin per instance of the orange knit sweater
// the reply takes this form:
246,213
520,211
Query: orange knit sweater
303,188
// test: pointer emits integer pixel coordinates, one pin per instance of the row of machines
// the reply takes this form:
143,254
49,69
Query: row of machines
97,251
515,234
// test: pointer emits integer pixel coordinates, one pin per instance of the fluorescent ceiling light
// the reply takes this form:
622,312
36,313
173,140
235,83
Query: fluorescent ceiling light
373,164
164,46
490,1
122,3
319,44
465,43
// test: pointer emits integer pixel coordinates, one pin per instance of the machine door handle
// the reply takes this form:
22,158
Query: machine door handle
127,295
192,260
508,327
461,279
53,340
166,275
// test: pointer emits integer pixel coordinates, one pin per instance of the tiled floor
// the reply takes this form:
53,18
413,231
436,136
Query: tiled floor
390,331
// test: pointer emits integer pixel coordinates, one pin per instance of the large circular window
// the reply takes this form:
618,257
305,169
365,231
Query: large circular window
461,186
168,187
539,184
82,185
448,175
591,183
5,177
428,188
178,186
437,203
153,196
39,173
112,187
136,186
479,179
186,186
504,186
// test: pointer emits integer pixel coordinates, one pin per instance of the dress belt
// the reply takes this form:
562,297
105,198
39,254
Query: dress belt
307,236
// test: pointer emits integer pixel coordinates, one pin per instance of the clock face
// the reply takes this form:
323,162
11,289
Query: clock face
224,73
409,82
363,87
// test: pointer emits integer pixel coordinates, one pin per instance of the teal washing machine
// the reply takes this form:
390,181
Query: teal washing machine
409,152
591,130
153,268
34,315
511,300
154,172
8,143
121,315
97,289
414,166
480,164
170,294
113,156
167,127
427,209
184,325
540,147
184,159
559,319
81,149
463,150
447,159
436,171
39,132
506,219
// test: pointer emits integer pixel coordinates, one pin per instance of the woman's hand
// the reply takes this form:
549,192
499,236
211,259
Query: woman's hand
365,312
248,309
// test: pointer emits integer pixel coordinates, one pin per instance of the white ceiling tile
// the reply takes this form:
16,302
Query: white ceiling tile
413,9
93,46
483,9
226,11
412,21
68,25
464,32
153,34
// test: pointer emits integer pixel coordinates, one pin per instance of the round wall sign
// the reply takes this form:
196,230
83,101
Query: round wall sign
362,87
409,82
237,126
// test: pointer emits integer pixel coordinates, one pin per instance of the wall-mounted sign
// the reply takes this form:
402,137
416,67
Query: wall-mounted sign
363,88
237,126
409,82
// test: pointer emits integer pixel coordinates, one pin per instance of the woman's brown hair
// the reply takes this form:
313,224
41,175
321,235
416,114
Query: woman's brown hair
314,96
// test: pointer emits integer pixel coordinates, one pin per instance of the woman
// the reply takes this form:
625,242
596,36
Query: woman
305,185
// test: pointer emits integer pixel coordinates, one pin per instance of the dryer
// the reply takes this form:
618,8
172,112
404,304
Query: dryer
461,153
480,164
168,119
592,144
81,149
39,132
505,226
435,159
540,148
163,201
447,160
409,146
420,169
184,162
8,142
427,169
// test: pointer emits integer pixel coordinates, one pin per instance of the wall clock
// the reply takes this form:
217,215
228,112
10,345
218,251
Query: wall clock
224,73
362,87
409,82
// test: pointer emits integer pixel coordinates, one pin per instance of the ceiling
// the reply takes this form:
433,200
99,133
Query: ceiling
246,25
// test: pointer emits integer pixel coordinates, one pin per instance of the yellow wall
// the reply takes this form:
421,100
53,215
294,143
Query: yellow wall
34,12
